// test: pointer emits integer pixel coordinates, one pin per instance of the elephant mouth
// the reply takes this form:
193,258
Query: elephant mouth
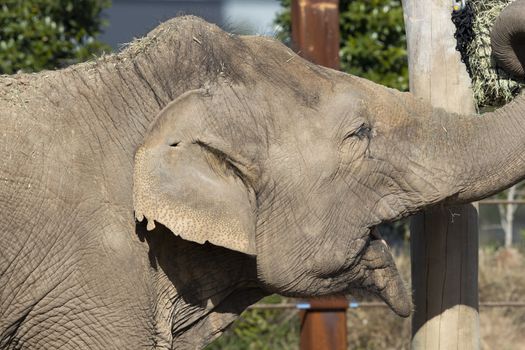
375,235
379,275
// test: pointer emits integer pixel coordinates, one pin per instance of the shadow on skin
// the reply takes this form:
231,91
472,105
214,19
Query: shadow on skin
203,273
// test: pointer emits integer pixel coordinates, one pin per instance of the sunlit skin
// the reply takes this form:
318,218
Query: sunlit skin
149,197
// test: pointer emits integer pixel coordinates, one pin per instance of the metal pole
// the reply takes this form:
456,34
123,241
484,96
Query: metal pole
323,325
315,31
373,304
315,36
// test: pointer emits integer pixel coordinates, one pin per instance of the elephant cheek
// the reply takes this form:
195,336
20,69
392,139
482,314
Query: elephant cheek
335,256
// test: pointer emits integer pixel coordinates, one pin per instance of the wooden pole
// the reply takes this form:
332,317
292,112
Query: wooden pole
444,240
315,36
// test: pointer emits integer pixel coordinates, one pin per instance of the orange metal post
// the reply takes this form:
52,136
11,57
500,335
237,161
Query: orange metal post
323,326
315,31
315,36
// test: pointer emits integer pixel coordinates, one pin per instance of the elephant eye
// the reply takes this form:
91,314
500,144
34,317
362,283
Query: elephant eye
363,131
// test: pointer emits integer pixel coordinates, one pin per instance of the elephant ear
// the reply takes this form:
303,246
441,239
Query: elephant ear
190,187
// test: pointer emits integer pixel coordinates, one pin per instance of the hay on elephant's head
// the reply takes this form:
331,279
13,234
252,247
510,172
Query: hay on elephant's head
491,85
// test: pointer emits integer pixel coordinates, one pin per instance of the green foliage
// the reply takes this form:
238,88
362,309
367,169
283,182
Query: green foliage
373,43
45,34
262,330
284,22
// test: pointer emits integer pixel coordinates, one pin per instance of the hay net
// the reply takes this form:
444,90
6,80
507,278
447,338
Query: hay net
491,86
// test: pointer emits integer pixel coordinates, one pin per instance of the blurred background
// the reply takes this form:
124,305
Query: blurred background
50,34
133,18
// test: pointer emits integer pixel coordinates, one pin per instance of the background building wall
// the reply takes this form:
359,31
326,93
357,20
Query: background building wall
128,19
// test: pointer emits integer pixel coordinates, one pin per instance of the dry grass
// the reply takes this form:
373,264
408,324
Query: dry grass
501,278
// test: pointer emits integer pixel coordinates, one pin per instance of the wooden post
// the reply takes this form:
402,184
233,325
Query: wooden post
315,36
444,240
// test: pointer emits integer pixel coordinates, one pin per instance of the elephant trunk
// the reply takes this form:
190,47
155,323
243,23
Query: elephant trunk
508,39
485,154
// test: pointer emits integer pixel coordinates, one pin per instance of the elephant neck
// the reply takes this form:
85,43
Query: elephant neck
98,112
119,95
198,289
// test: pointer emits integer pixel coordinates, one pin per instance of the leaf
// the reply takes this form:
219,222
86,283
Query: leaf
43,34
373,43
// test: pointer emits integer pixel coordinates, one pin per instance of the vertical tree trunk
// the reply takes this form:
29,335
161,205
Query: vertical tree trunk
444,240
506,213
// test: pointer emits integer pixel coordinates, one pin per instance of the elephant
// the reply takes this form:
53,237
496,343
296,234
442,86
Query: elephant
148,197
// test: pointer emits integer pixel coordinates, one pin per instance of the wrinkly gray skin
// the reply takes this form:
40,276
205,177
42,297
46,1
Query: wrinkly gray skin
284,166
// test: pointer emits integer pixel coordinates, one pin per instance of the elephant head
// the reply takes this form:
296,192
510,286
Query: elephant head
295,165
